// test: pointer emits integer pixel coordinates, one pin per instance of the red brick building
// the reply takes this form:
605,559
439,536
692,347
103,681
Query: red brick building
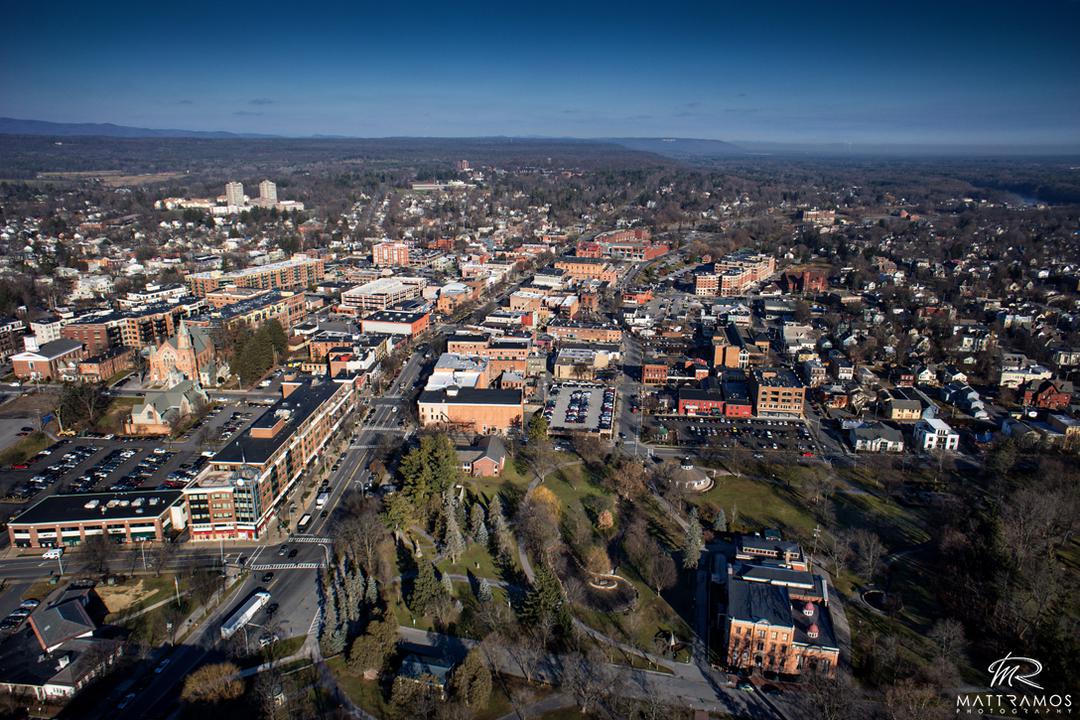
1048,394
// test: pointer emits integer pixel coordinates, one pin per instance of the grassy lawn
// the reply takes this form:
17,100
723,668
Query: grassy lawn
476,560
572,485
761,505
25,448
896,524
280,649
113,419
365,693
39,590
129,597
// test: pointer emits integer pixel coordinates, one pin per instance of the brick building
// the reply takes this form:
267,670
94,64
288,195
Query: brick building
241,492
777,392
482,411
104,366
52,361
390,254
65,520
297,273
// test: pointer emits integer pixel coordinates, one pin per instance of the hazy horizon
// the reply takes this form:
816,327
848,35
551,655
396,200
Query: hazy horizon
964,74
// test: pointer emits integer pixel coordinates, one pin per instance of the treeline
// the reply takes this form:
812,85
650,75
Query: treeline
255,353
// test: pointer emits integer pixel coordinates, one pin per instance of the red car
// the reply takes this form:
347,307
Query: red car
808,454
19,466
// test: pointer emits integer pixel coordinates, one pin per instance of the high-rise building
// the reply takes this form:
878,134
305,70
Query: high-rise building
390,254
234,194
268,191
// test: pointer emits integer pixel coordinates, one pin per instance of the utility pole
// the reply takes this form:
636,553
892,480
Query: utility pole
142,546
60,562
176,584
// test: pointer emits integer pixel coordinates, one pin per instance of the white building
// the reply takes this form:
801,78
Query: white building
935,434
234,194
267,191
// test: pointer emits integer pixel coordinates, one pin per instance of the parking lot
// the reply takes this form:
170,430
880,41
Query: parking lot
97,464
756,435
580,407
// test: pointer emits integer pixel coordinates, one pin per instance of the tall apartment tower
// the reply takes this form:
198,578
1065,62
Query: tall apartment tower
234,194
268,191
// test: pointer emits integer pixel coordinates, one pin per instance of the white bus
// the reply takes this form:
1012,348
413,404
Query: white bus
244,614
304,522
321,499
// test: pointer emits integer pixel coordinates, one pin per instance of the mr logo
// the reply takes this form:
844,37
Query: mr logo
1007,669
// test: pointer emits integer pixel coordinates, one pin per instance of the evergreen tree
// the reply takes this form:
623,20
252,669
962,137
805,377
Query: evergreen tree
453,540
504,539
483,591
359,586
426,592
331,632
695,541
429,471
476,521
471,680
371,594
537,430
719,523
482,535
448,584
545,605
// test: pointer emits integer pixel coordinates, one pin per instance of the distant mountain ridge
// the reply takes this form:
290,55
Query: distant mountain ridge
15,126
675,148
681,148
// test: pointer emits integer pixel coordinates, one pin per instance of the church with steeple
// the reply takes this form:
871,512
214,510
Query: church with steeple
188,355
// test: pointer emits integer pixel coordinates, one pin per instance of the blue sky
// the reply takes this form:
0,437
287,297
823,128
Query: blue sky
946,72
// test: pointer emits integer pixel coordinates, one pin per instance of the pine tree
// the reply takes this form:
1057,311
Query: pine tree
453,539
331,632
483,591
719,523
426,592
545,604
476,521
471,680
371,594
482,535
360,587
504,539
448,584
695,541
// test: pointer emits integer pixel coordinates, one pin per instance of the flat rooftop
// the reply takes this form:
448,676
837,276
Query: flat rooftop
84,507
299,406
471,396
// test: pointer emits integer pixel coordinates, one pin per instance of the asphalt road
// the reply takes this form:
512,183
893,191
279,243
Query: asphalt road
293,583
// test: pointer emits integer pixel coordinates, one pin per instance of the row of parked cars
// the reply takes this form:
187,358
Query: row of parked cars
608,408
236,421
63,465
144,470
18,616
101,472
185,473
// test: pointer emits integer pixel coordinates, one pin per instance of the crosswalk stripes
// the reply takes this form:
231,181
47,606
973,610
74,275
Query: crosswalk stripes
311,539
287,566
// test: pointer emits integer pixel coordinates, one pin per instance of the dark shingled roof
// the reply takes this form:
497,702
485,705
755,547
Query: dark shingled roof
472,396
754,602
